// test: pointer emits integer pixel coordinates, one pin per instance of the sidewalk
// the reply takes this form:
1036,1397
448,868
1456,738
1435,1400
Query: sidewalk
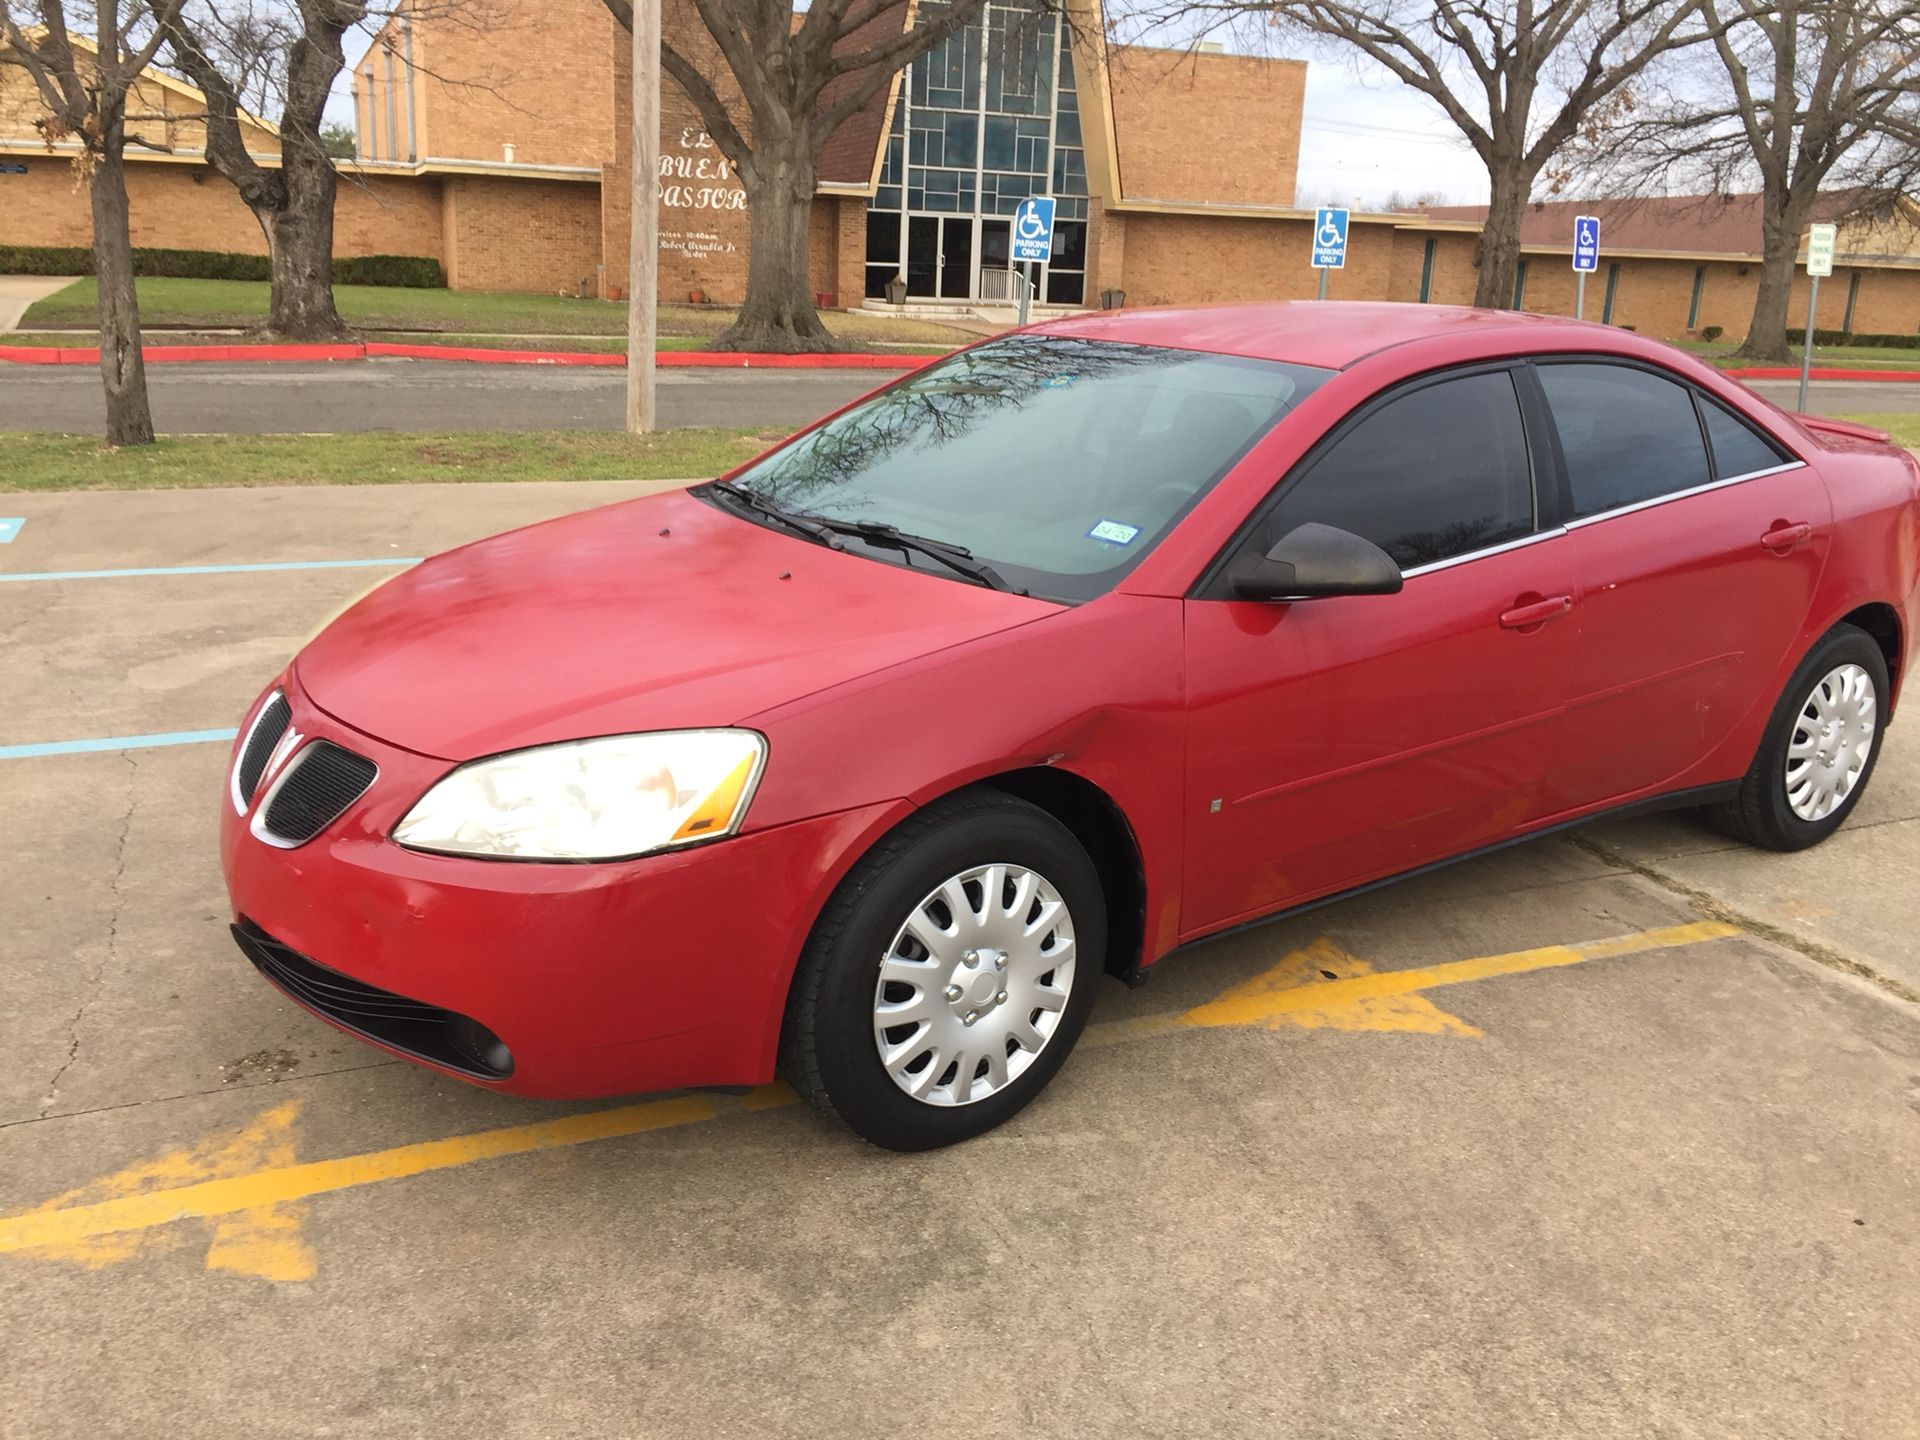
17,292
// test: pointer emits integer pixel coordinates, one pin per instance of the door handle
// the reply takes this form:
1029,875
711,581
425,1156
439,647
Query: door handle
1536,613
1785,537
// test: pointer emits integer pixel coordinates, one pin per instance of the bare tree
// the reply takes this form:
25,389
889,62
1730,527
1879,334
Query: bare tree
1517,78
799,78
303,51
86,88
1794,96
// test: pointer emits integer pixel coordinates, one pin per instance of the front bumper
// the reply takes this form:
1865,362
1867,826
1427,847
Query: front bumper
650,974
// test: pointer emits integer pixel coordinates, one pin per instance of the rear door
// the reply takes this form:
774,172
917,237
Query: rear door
1336,741
1699,544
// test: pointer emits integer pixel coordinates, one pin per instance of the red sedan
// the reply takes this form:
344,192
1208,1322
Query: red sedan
865,762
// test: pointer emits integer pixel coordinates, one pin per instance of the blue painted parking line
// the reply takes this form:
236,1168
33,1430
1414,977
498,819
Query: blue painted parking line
113,742
212,569
10,527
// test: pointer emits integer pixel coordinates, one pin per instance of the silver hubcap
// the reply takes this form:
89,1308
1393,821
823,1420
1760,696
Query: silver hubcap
1830,743
974,984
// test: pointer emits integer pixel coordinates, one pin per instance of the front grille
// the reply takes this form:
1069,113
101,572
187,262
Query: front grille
425,1031
320,783
268,727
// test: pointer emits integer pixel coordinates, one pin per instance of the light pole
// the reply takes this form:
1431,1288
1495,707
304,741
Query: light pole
643,233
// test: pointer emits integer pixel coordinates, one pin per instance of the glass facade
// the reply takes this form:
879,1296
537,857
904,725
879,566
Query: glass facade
985,119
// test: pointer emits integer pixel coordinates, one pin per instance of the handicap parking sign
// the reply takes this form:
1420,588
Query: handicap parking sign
1586,243
1033,230
1329,239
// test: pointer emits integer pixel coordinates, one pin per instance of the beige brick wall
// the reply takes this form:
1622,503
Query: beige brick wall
1208,259
1222,128
534,236
189,207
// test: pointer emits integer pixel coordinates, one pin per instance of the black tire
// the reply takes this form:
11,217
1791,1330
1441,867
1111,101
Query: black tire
1761,814
827,1045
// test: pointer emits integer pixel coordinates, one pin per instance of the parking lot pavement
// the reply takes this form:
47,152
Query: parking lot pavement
1596,1136
421,395
416,395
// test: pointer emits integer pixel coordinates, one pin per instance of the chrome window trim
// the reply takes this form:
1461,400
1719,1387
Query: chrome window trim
257,827
246,741
1711,485
1491,550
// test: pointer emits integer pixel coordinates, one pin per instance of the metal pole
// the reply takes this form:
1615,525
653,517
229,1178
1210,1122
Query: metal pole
1579,294
1323,283
1806,347
643,233
1026,289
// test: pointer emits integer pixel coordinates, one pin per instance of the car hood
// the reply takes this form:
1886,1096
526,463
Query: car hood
649,615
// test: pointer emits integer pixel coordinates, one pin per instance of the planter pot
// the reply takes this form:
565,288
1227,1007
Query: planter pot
1112,299
896,292
696,297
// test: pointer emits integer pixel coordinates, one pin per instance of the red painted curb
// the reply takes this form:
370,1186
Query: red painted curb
1783,372
273,354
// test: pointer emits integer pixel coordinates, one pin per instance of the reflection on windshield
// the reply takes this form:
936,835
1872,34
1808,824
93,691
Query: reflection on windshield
1062,461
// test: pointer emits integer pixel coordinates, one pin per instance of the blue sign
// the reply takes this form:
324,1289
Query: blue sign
10,528
1033,230
1586,243
1329,239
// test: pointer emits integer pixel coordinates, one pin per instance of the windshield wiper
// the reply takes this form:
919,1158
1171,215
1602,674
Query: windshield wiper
759,504
955,557
875,532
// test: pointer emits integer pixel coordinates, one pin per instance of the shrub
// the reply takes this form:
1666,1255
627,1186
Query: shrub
1841,337
416,272
1711,333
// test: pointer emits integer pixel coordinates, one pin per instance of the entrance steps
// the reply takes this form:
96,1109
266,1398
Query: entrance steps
1002,315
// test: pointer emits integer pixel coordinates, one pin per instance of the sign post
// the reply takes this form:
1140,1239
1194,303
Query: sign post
1329,243
1820,240
1586,259
643,221
1032,242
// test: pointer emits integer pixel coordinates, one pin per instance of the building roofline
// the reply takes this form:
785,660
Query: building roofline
165,81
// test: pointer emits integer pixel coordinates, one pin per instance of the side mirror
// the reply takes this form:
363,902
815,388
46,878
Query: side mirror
1314,561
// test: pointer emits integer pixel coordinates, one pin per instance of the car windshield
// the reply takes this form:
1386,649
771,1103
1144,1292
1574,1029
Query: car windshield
1057,464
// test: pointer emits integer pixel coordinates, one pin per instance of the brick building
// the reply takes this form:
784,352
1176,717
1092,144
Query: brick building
501,150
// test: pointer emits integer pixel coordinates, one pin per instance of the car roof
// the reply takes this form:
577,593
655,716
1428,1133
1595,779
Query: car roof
1309,332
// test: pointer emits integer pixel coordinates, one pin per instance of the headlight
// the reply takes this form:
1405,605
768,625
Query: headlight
608,799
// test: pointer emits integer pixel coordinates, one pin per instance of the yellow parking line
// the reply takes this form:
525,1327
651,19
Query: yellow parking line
66,1225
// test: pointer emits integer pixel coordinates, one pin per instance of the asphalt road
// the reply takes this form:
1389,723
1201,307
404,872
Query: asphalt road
1605,1135
414,395
421,395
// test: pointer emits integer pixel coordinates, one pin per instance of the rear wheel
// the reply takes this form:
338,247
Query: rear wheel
1819,749
950,975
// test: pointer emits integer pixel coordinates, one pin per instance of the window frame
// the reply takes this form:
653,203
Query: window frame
1566,518
1542,466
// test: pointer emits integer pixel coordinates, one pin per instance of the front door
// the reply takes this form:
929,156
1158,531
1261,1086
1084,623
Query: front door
1337,741
940,257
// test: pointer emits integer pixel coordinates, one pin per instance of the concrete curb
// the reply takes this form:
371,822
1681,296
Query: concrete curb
1786,372
374,349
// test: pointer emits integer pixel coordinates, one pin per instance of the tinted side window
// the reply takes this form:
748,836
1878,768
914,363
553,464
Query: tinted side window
1627,435
1434,473
1737,448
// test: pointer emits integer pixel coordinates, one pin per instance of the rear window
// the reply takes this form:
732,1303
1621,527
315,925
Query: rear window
1628,436
1061,462
1738,449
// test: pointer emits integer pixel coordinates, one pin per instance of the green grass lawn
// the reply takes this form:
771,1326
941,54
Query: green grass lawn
237,304
70,462
1851,357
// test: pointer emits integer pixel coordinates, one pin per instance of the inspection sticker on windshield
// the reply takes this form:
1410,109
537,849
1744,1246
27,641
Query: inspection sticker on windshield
1113,532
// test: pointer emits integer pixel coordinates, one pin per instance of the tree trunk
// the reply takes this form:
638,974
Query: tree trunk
1780,247
123,369
778,317
300,244
1499,253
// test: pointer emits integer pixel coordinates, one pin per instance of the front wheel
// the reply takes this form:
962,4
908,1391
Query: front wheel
1819,749
949,976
